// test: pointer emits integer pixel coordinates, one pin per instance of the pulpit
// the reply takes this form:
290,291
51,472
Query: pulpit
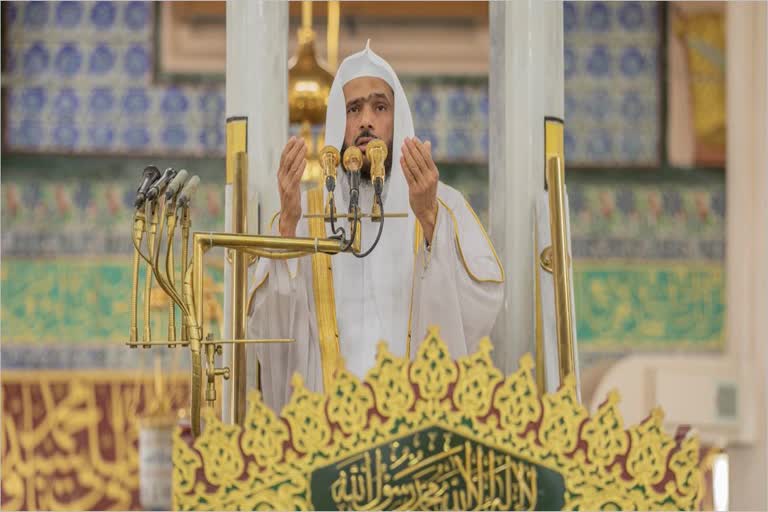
435,434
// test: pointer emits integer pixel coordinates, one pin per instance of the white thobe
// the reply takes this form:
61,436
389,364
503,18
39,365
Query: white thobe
456,286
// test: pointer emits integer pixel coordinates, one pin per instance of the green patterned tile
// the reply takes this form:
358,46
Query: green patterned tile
660,305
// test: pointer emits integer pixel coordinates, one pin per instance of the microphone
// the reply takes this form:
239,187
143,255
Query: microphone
188,191
329,160
151,174
377,153
353,161
176,184
157,188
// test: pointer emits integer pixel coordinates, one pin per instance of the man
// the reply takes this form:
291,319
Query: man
437,267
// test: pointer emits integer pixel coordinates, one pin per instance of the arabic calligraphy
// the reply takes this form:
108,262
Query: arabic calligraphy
432,469
70,439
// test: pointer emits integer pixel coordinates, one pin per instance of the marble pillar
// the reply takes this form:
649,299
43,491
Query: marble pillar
256,88
526,85
747,244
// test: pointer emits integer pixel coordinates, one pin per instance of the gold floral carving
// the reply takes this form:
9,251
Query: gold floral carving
603,465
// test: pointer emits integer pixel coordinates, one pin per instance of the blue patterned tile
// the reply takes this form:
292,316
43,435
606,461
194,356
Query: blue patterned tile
459,144
65,135
103,14
459,105
11,13
599,61
36,15
212,137
600,145
136,15
69,14
636,148
568,143
136,61
570,63
30,133
68,60
102,59
135,101
174,102
10,55
570,17
101,100
66,101
37,58
598,104
424,105
599,16
33,100
482,105
175,136
135,137
634,16
633,108
634,62
101,136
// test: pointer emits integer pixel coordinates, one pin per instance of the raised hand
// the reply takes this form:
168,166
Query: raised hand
422,176
292,164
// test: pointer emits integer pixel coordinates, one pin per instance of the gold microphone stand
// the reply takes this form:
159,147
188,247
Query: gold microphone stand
190,298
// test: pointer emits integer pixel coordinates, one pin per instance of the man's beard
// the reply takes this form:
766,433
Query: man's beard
365,170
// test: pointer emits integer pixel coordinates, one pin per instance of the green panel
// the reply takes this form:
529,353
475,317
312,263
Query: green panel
435,469
658,305
73,300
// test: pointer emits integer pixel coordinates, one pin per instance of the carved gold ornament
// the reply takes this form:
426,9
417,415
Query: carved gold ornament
436,434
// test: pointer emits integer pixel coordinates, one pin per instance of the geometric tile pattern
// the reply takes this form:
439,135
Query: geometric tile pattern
612,83
78,78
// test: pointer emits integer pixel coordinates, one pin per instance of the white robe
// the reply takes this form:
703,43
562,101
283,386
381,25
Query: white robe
456,285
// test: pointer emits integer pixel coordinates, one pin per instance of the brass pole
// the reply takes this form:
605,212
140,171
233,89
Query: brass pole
541,382
171,271
239,292
332,36
561,266
138,230
148,282
185,225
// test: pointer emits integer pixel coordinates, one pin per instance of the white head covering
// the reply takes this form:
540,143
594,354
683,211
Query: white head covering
373,293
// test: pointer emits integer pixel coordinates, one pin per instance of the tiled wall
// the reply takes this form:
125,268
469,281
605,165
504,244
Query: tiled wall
79,77
612,83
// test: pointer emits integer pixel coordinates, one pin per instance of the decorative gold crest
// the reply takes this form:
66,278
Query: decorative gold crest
436,434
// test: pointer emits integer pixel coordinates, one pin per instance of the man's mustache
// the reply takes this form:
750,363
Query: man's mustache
364,134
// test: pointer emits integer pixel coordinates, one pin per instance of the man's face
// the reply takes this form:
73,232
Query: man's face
370,106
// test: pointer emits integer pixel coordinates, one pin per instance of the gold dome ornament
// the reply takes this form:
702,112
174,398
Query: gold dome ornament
309,82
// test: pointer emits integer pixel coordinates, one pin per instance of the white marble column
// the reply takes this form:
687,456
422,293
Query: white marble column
256,88
747,244
526,85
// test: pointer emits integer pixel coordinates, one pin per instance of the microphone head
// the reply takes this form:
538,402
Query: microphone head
150,175
188,191
353,159
159,186
329,160
377,153
176,183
